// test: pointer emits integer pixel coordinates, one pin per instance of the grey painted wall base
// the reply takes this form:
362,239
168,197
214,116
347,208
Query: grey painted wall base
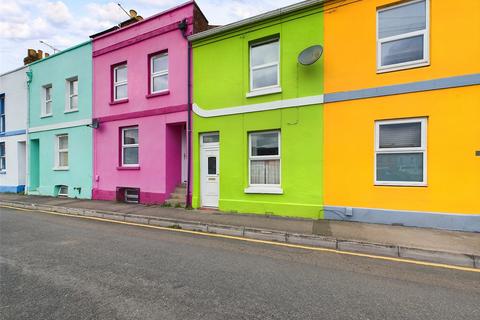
458,222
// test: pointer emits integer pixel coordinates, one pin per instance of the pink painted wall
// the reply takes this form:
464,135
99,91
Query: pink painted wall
159,148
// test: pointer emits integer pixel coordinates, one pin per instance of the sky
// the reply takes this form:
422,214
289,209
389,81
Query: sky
62,24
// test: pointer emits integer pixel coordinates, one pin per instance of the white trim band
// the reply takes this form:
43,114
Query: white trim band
279,104
63,125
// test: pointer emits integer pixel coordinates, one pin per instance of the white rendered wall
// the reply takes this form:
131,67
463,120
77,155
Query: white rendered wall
14,86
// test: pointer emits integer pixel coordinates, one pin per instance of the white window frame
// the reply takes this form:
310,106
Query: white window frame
45,101
58,151
126,196
124,146
268,89
3,117
119,83
69,95
4,156
59,194
426,40
153,75
264,188
422,149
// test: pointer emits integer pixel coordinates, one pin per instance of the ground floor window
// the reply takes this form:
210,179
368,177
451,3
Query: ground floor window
62,152
264,158
131,195
3,158
401,152
62,191
130,146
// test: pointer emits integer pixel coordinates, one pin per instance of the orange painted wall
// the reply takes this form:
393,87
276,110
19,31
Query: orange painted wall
350,44
453,136
453,127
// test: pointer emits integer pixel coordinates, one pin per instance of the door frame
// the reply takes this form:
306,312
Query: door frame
209,146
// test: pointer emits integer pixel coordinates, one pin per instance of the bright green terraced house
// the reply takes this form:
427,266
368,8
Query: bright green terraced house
258,115
59,126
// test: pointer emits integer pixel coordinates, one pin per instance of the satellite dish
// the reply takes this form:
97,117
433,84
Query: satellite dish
310,55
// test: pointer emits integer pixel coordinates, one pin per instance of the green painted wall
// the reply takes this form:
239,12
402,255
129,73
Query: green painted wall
79,174
55,70
221,80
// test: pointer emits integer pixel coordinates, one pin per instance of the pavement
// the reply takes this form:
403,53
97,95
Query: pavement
54,267
440,246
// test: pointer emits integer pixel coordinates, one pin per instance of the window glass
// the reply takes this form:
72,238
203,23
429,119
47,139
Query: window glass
401,135
121,73
265,77
74,102
2,114
3,159
160,83
160,63
265,172
406,167
212,165
211,138
62,142
403,19
130,136
264,144
402,50
121,91
130,155
264,54
63,159
74,87
48,92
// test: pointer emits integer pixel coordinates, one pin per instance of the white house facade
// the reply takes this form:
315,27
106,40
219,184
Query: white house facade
13,124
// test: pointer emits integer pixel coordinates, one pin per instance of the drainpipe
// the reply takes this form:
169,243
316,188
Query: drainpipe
183,26
29,75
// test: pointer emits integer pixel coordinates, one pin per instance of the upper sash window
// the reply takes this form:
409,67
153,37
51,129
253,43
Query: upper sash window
403,36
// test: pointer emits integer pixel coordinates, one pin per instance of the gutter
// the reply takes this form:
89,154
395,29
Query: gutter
258,18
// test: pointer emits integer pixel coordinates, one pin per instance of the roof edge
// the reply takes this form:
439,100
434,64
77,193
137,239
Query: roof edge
61,52
261,17
14,70
105,33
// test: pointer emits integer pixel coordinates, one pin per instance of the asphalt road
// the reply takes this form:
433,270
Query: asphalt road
54,267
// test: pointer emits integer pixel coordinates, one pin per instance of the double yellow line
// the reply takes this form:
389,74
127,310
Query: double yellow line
280,244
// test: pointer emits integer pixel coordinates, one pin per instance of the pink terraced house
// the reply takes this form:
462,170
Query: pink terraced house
141,103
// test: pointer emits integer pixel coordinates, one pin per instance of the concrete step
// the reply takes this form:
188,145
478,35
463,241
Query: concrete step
177,195
175,202
182,189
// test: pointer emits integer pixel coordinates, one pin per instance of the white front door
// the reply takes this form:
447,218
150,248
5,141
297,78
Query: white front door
209,170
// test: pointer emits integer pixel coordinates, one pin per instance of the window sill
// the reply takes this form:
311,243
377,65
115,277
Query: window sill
263,92
264,190
61,169
71,111
112,103
400,184
404,67
128,168
46,116
157,94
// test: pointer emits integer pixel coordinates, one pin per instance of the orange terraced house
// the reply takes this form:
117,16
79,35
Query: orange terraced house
402,112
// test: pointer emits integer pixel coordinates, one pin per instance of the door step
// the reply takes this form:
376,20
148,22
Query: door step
177,197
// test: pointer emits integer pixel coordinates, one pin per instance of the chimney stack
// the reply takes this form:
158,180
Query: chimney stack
33,55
